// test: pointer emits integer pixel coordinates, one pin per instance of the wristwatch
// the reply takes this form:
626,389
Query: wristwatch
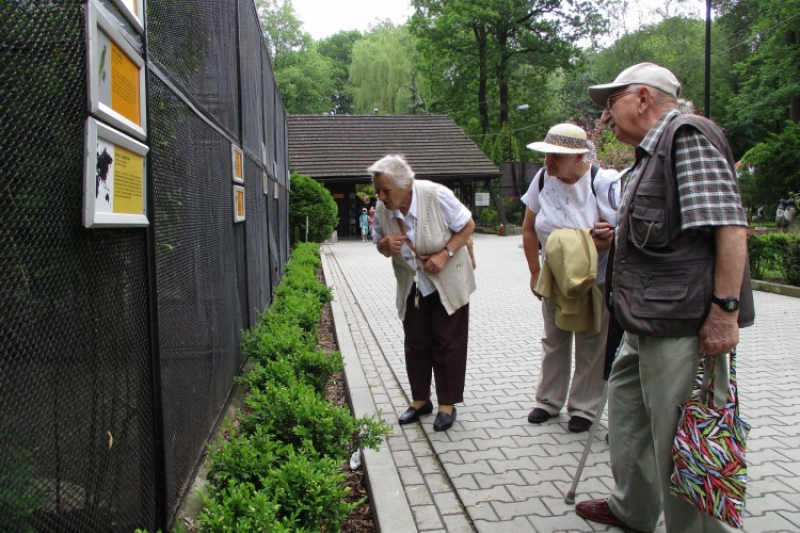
730,305
450,253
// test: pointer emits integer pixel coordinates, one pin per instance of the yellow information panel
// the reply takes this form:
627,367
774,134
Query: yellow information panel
238,203
129,182
114,190
116,75
125,86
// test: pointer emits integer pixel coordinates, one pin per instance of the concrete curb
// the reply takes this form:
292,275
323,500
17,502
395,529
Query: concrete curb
391,511
776,288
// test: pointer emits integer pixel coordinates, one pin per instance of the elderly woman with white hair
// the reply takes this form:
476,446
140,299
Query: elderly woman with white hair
424,229
570,193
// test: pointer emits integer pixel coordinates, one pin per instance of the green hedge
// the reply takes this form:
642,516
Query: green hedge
280,469
775,255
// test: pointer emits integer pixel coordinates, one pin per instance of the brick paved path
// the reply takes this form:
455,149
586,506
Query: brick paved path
495,472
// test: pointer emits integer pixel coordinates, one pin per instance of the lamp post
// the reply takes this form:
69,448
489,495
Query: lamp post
514,179
707,98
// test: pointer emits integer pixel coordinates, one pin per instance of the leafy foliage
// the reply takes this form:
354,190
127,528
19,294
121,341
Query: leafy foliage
279,469
382,70
308,199
776,167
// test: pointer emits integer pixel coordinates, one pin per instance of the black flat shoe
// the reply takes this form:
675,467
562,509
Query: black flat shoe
444,421
412,415
578,424
538,416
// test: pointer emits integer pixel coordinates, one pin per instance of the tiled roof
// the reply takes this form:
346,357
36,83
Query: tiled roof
343,146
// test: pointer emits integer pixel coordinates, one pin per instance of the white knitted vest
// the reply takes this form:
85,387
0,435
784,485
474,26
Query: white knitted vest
456,281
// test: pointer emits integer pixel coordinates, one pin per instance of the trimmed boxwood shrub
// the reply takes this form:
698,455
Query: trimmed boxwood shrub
310,200
279,469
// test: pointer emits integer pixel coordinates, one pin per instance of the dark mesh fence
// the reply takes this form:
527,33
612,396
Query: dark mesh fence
86,443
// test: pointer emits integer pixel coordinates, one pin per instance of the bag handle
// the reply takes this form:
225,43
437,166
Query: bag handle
707,395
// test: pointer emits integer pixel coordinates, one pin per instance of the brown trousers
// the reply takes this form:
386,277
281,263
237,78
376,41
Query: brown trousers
436,342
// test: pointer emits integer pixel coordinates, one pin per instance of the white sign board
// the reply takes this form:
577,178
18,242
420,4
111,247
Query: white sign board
481,199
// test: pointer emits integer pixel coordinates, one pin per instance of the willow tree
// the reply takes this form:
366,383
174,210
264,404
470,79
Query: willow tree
383,66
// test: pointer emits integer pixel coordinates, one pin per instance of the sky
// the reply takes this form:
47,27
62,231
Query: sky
323,18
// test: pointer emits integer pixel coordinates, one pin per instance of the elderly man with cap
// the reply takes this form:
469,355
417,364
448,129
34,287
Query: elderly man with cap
565,201
680,289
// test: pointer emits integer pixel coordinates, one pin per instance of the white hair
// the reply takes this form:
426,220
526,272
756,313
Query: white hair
396,167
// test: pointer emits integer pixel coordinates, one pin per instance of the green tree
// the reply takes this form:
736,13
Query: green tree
339,49
310,200
305,79
776,167
383,65
283,31
499,35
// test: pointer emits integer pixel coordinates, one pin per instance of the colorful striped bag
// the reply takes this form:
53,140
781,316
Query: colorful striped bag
710,470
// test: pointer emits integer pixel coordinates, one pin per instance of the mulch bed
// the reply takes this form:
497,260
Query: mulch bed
360,520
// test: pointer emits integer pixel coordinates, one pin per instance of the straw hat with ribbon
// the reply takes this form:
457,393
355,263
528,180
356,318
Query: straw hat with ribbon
564,139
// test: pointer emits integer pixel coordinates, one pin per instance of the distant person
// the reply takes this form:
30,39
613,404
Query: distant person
681,289
569,193
363,224
424,229
371,220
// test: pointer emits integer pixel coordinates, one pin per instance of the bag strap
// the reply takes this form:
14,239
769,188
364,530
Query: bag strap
733,390
595,169
408,241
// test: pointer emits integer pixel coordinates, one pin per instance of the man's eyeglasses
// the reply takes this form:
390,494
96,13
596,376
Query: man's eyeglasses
610,100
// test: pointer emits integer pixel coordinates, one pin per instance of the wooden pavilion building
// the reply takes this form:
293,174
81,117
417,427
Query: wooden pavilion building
336,150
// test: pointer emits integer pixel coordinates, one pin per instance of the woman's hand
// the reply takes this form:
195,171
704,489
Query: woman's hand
391,244
534,281
602,230
602,233
436,262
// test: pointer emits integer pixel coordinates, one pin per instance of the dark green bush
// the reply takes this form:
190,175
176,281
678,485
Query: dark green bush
310,200
243,509
302,308
274,338
279,471
309,491
312,367
245,459
790,261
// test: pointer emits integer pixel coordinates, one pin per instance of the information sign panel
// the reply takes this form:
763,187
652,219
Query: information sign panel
114,178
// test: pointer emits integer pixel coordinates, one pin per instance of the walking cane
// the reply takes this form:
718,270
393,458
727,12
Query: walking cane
613,344
569,499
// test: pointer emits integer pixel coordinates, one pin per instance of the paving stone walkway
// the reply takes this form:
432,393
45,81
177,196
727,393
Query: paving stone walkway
495,472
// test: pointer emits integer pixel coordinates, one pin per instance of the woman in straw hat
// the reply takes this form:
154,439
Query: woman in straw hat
569,192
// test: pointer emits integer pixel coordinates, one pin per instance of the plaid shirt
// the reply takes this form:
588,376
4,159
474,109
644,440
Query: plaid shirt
707,189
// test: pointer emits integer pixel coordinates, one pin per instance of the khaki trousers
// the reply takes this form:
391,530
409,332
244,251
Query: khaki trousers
554,376
650,378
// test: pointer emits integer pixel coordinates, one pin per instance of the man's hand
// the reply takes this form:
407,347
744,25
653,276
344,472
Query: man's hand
534,281
720,332
435,262
391,244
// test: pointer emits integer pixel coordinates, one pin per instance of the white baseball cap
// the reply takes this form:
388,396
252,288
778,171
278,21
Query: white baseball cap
645,74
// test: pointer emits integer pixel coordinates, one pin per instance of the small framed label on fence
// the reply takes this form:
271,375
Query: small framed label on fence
115,76
238,203
237,164
114,178
132,10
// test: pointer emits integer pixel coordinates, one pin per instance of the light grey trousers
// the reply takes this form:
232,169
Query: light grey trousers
554,376
650,378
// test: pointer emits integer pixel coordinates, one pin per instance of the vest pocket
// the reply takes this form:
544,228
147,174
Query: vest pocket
666,293
648,226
